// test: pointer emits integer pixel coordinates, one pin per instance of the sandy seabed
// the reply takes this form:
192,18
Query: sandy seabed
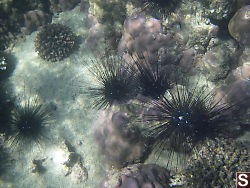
60,85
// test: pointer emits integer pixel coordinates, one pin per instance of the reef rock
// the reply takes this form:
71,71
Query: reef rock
219,9
63,5
34,19
120,143
145,36
144,176
239,26
219,59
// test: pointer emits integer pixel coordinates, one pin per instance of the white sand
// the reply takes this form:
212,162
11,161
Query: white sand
60,84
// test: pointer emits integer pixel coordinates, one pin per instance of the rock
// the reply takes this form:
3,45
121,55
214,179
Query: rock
239,26
63,5
144,176
34,19
219,9
118,142
145,36
38,166
74,166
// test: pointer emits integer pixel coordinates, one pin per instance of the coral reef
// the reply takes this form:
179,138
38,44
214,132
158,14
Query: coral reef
160,8
219,10
191,25
237,83
55,42
34,19
241,3
239,26
216,163
203,38
95,33
12,17
6,37
189,37
219,59
187,63
120,143
63,5
239,91
242,72
142,36
147,175
111,15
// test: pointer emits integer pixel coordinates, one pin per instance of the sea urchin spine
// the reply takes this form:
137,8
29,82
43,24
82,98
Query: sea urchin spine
28,121
115,82
186,117
151,78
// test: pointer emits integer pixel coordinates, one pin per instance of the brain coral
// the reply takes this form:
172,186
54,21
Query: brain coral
55,42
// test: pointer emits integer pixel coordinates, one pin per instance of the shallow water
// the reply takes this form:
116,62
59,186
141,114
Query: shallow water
69,156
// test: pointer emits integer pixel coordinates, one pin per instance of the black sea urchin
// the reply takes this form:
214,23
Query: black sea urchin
185,117
161,6
55,42
28,121
115,82
152,78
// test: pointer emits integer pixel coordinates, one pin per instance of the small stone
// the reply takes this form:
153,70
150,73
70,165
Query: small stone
38,166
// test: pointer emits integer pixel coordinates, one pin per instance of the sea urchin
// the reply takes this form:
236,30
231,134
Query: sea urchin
115,82
28,121
186,117
151,78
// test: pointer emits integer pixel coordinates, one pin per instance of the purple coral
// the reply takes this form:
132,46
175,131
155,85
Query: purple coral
142,36
119,143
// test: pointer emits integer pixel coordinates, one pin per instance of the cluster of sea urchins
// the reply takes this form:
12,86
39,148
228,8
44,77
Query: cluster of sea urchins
119,81
55,42
177,118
